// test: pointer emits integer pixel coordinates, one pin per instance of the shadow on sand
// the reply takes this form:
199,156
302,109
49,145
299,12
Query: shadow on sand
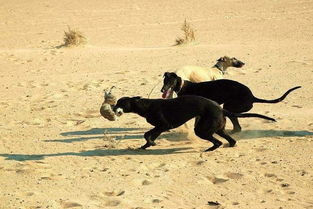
115,133
99,152
253,134
137,133
97,131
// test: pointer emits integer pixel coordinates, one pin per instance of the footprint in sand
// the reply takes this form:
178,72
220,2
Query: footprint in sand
56,96
36,122
53,52
156,201
217,179
31,84
261,149
95,84
70,85
69,204
234,176
91,114
4,104
200,162
112,203
21,84
114,193
270,175
30,167
297,106
109,198
146,182
210,205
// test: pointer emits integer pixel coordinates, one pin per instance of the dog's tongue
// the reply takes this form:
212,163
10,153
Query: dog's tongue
166,94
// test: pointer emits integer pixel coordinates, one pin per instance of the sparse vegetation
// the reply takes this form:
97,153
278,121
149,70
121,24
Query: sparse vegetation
189,34
73,37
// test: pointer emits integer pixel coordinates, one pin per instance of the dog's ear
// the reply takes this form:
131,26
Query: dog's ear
221,59
166,74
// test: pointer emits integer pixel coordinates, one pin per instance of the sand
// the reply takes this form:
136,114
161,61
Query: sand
56,151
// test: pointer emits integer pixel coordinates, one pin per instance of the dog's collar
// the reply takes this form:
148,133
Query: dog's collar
181,86
220,68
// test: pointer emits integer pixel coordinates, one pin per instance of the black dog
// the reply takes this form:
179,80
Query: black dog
236,97
171,113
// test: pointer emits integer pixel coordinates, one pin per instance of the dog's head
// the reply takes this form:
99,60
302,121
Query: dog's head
230,62
124,105
171,83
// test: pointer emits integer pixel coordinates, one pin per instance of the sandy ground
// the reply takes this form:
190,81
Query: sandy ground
56,151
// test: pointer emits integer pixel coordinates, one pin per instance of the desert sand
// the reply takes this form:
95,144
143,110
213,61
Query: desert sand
56,151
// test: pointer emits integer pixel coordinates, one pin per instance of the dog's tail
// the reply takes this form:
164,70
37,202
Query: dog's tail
247,115
276,100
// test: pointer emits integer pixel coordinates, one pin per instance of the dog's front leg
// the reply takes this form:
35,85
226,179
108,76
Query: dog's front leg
151,135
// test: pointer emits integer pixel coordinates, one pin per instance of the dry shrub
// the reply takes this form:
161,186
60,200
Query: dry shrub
189,34
73,37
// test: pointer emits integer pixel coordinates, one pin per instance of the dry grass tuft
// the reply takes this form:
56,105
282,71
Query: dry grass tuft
189,34
73,38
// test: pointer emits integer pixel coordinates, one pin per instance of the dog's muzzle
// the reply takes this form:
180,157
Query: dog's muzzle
118,111
167,93
240,64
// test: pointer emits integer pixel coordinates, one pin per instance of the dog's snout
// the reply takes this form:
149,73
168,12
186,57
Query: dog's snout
118,111
163,89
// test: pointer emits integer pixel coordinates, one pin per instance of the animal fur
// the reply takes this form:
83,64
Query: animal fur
106,109
166,114
235,96
199,74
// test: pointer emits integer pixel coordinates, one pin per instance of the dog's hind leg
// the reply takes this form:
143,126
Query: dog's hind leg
151,135
237,107
230,140
205,129
216,143
236,125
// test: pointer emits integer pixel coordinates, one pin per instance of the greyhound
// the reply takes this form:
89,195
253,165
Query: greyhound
236,97
166,114
199,74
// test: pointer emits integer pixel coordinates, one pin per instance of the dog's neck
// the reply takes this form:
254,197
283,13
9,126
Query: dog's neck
140,107
222,66
181,85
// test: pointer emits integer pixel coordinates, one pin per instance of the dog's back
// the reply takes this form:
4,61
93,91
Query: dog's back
199,74
220,90
179,110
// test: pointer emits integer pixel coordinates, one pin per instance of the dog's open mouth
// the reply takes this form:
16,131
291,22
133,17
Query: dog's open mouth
167,93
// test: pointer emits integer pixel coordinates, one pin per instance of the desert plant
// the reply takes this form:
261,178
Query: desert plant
73,37
189,34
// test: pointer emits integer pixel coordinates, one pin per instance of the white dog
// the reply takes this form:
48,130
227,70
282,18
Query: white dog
198,74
